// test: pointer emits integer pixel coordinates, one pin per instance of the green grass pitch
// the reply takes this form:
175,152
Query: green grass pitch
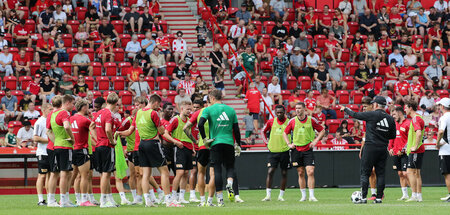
331,201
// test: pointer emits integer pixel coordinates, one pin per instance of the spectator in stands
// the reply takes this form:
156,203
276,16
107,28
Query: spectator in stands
433,76
253,98
312,62
362,75
356,132
162,42
249,127
280,68
322,78
383,18
59,15
158,64
66,85
368,23
12,21
148,44
6,60
279,33
92,18
274,90
404,43
325,20
46,20
131,18
239,80
182,96
332,48
396,18
25,135
243,14
94,37
252,35
422,21
359,7
340,34
81,36
293,99
201,33
11,138
188,84
278,9
249,61
216,60
312,22
178,73
134,73
237,32
435,36
179,47
336,77
21,34
47,90
9,106
327,102
42,71
139,86
189,57
402,89
81,64
392,74
133,47
438,57
339,140
397,56
25,102
310,101
144,61
114,7
441,6
303,43
260,49
61,53
434,16
106,30
220,11
156,27
3,42
31,113
417,89
145,21
45,48
201,88
106,50
427,102
297,61
34,87
258,84
266,98
194,71
81,89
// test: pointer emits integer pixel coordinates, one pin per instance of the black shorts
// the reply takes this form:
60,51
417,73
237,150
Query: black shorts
255,116
43,165
444,164
106,159
80,157
222,154
400,162
48,56
282,158
94,163
169,153
151,154
201,42
203,157
63,158
302,158
183,158
51,161
83,69
135,158
415,160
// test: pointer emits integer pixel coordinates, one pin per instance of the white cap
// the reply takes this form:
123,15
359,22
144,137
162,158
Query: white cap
437,48
444,102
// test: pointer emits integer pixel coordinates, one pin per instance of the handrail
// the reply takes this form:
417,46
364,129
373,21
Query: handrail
213,19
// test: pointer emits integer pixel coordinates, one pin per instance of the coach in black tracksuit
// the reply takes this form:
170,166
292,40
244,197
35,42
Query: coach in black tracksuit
380,128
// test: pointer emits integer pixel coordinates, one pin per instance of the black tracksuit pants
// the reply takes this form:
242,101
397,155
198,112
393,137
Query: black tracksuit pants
373,156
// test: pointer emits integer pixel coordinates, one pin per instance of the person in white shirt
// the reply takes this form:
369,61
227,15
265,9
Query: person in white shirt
179,47
6,60
265,96
31,113
274,90
133,47
338,140
237,32
312,62
3,42
138,87
443,143
58,14
427,101
346,7
40,137
441,6
25,135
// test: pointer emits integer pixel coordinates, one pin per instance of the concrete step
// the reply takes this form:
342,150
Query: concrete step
172,1
181,6
178,13
181,9
170,14
182,27
176,19
184,30
191,23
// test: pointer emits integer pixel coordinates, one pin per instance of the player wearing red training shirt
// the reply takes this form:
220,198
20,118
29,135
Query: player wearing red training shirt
303,142
252,98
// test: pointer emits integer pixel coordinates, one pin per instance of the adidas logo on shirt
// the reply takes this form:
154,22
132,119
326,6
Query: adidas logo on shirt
223,117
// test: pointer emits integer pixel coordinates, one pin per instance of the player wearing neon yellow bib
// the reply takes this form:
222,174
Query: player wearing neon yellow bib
279,150
303,141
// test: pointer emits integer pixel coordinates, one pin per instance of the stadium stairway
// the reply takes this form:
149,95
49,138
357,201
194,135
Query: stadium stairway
181,16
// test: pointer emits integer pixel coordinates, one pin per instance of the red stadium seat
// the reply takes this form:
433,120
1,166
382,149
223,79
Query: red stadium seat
119,54
170,66
320,40
164,25
124,68
118,26
66,66
422,66
26,11
383,68
354,27
72,52
333,125
285,94
352,67
97,67
201,10
29,52
74,24
350,82
266,67
345,55
10,82
106,93
81,13
291,17
415,37
24,81
339,114
349,41
96,94
343,96
90,52
171,38
130,107
18,93
172,94
118,82
89,81
110,69
287,25
68,40
140,37
291,83
378,82
30,25
302,95
163,82
221,39
268,26
227,23
310,40
353,107
150,81
127,97
258,25
102,83
264,80
356,97
232,11
124,39
34,66
16,125
442,93
427,54
305,82
266,40
341,66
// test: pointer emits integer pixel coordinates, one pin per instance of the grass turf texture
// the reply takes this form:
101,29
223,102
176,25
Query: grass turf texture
331,201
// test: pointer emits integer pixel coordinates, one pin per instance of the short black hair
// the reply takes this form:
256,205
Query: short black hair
99,100
7,90
400,109
280,107
412,104
166,105
199,102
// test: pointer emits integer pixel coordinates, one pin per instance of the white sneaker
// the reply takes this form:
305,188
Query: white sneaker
68,205
150,204
266,199
403,198
238,199
137,202
182,201
194,200
446,198
125,202
419,199
53,205
302,199
160,198
108,204
412,199
281,199
313,199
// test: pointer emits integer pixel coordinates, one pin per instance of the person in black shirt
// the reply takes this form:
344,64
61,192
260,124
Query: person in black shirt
81,88
178,73
446,34
189,58
279,33
434,16
23,104
130,19
404,44
92,18
144,61
46,20
368,23
322,78
216,60
294,31
362,75
145,21
106,29
42,71
47,90
155,27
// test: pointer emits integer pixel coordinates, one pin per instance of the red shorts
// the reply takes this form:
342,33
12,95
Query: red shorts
238,82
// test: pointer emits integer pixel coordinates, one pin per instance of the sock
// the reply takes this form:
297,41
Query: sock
413,195
303,191
219,197
268,192
405,191
91,197
122,196
160,192
152,195
373,191
192,194
311,193
281,193
376,71
40,197
133,193
182,192
103,198
62,198
230,182
110,198
210,200
174,195
78,197
202,198
167,199
237,196
84,197
139,198
419,195
147,197
370,70
51,198
67,197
